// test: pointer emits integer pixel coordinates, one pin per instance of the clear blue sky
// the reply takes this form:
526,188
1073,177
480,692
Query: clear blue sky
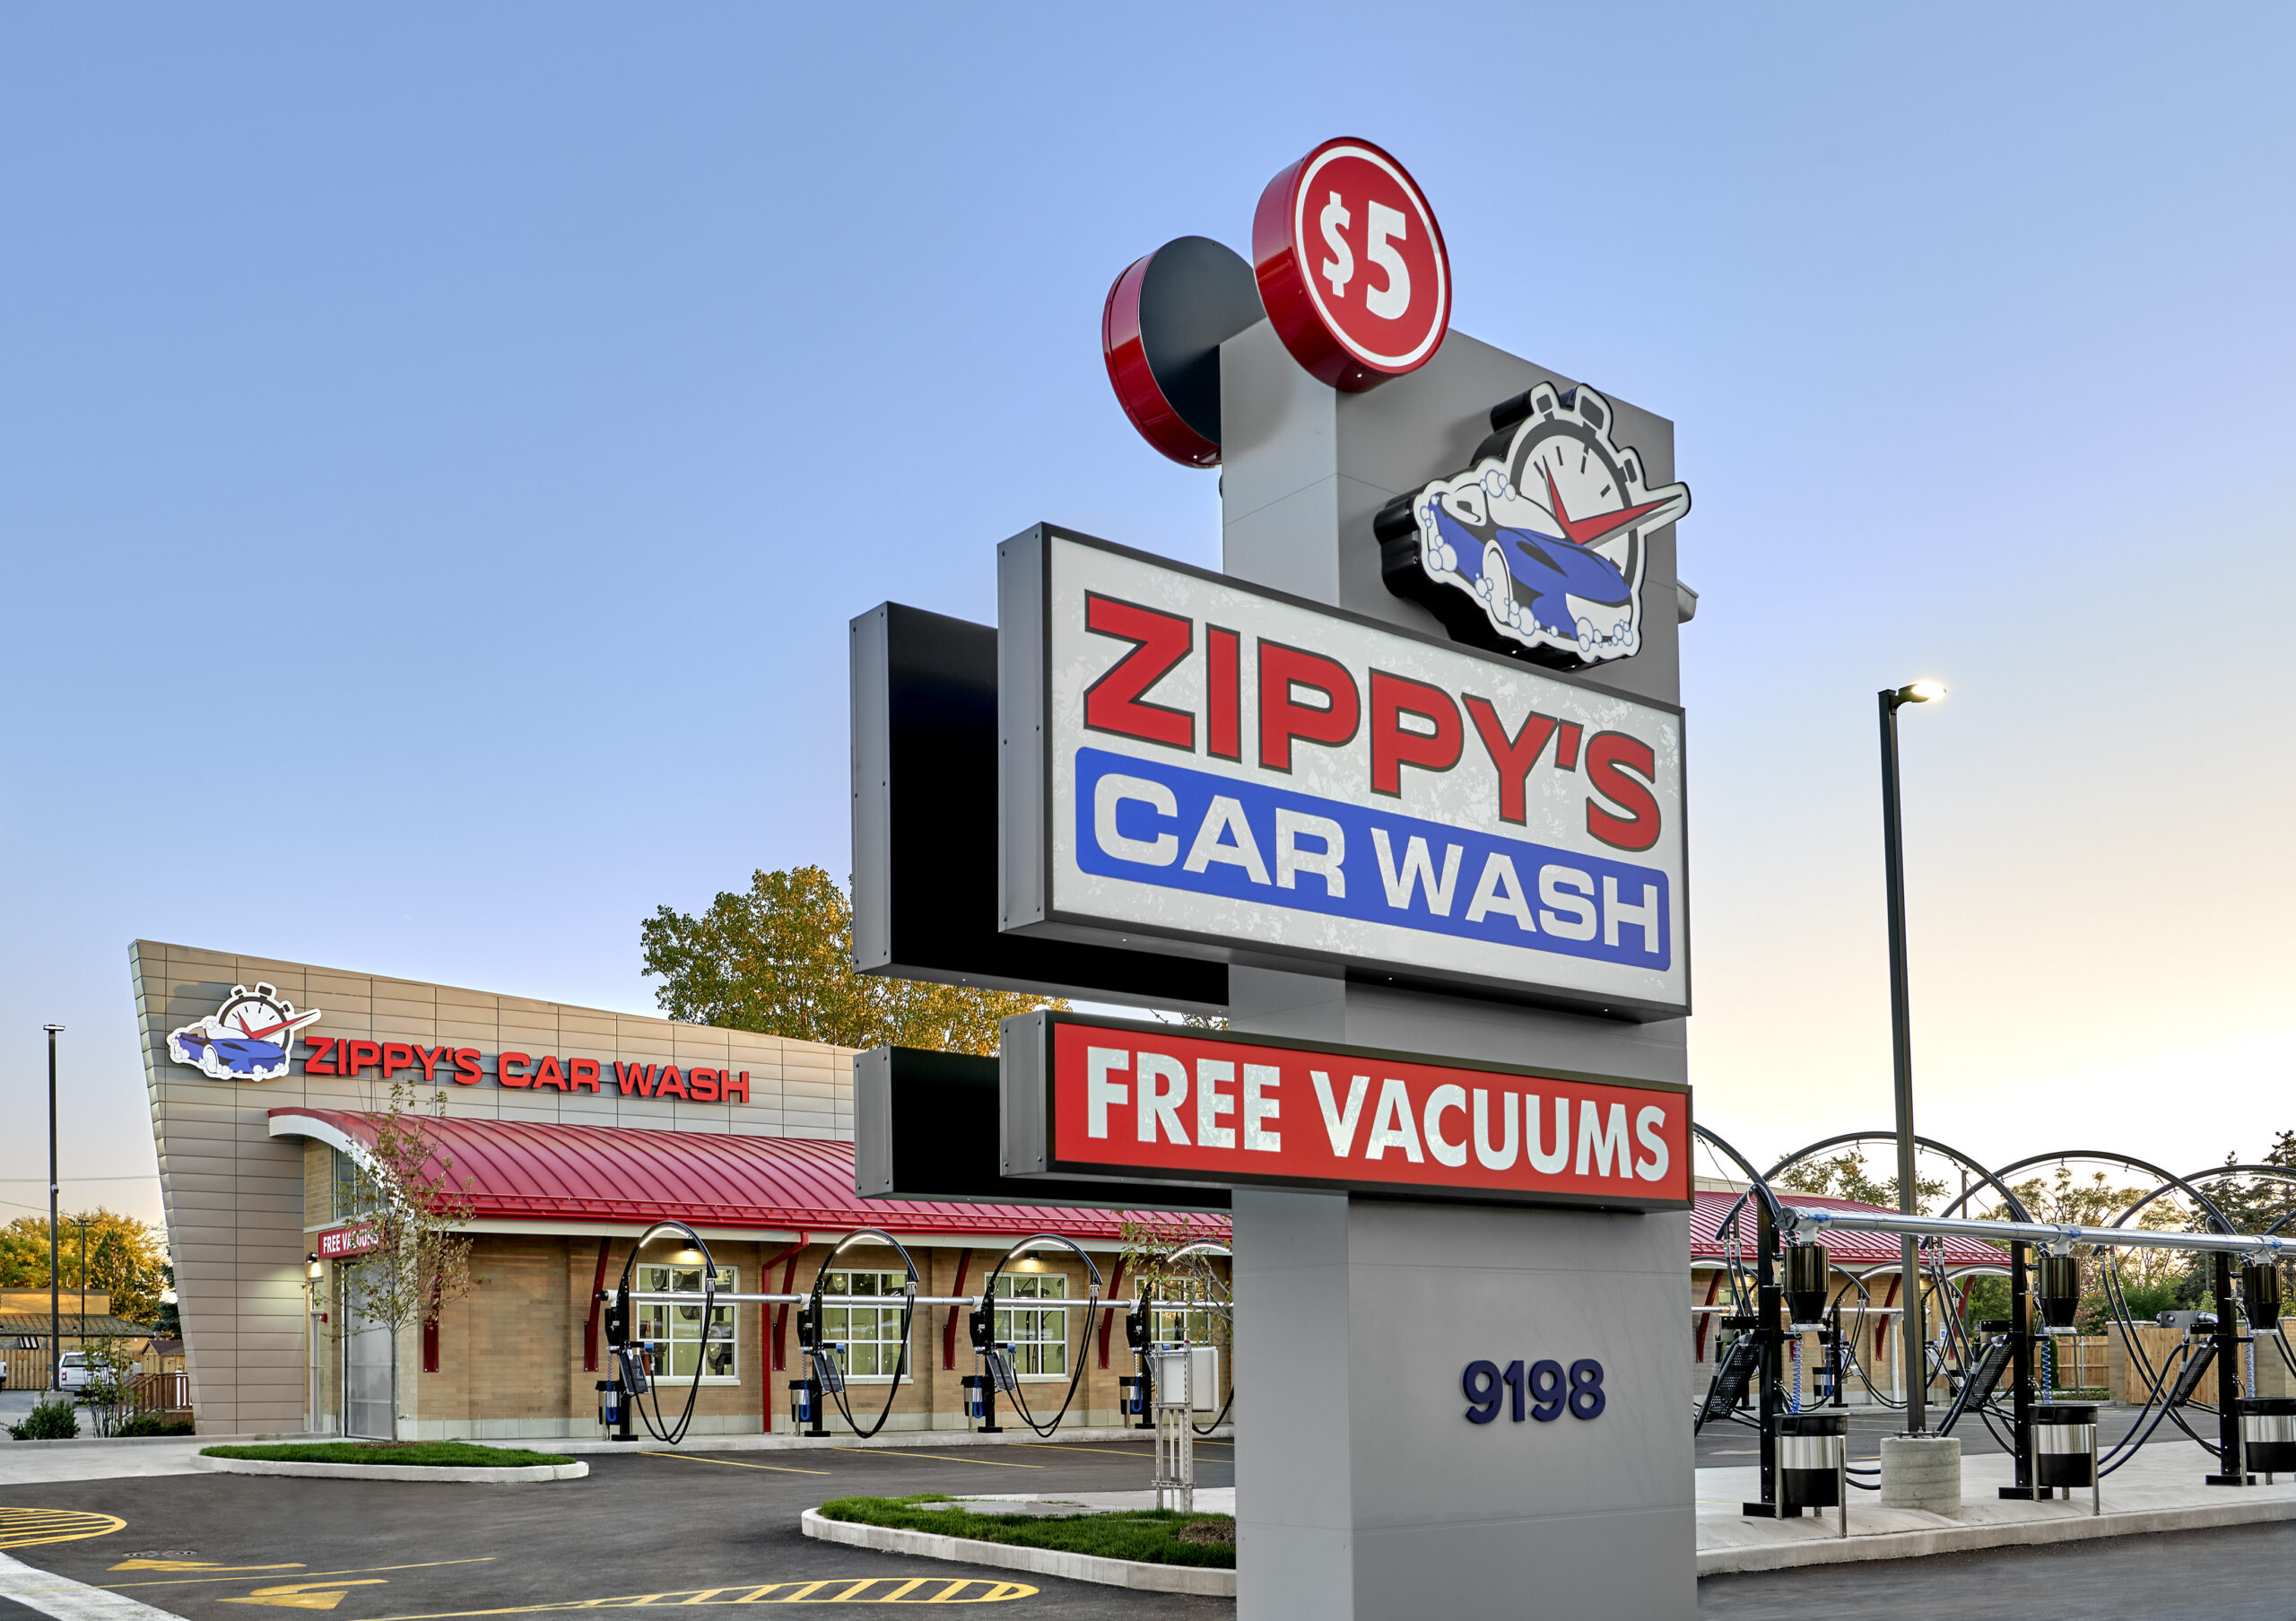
440,449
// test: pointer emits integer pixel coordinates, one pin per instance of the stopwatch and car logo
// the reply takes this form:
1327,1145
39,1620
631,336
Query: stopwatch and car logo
248,1038
1540,547
1542,543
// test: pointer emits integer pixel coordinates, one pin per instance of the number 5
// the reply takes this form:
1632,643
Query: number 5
1388,302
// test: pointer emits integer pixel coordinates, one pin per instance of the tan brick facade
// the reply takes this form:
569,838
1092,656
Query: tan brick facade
242,1204
245,1208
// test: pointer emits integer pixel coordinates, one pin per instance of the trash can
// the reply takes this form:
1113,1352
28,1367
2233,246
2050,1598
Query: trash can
1812,1453
2268,1432
2065,1444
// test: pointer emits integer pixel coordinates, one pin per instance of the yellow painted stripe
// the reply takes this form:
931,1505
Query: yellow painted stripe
729,1463
931,1456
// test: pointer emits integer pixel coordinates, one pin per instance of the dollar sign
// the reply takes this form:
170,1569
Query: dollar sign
1340,271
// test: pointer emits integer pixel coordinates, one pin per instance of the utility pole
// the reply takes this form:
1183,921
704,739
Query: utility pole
55,1285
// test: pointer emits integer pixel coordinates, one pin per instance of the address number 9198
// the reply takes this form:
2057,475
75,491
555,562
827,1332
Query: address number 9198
1544,1389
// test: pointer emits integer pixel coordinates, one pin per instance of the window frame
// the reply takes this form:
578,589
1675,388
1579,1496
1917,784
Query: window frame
883,1284
653,1276
1049,1305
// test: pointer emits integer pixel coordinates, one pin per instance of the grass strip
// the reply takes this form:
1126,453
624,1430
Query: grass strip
1149,1536
422,1454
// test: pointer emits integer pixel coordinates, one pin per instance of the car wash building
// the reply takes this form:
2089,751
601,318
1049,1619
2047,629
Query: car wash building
570,1130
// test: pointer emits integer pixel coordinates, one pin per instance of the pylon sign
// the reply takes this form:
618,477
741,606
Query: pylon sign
1236,774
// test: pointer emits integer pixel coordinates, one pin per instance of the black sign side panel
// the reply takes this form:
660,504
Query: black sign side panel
926,1127
924,830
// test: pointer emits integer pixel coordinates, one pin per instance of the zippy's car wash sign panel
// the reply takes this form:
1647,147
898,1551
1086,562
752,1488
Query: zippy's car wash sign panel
1126,1101
1252,777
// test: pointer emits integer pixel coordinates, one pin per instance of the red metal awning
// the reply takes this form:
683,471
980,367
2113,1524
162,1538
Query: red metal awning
1710,1209
537,1171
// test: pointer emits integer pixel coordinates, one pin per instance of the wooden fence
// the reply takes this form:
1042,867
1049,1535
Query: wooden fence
2165,1347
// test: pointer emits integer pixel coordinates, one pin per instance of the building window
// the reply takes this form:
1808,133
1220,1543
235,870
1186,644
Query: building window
1190,1324
1038,1335
871,1335
675,1330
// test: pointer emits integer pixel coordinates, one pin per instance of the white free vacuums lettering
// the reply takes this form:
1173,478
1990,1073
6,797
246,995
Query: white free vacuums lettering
1237,1106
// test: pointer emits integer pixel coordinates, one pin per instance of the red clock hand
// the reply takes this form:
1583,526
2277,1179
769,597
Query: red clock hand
1584,530
267,1028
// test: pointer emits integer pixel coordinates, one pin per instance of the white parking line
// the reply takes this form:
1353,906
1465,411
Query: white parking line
69,1600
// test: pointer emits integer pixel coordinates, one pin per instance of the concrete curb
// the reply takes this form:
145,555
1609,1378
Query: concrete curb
2078,1527
392,1471
1038,1561
848,1441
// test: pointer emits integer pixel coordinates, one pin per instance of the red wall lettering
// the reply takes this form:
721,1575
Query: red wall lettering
508,1076
637,1078
466,1067
1282,718
701,1085
1160,641
550,1073
396,1055
429,1057
669,1084
736,1090
360,1054
582,1075
320,1060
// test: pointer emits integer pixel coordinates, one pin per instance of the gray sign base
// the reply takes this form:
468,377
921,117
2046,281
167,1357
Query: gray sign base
1363,1493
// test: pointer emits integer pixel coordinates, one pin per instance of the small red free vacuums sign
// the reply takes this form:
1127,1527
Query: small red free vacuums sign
1129,1101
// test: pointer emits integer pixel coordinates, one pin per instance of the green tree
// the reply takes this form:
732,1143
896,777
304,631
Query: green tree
779,960
126,1260
1844,1176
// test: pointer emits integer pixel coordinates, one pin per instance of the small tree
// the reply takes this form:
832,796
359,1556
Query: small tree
110,1391
1152,1246
407,1210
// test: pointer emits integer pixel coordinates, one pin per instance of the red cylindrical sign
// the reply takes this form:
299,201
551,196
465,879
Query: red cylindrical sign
1352,267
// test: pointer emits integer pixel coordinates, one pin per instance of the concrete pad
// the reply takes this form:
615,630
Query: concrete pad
35,1462
2161,1489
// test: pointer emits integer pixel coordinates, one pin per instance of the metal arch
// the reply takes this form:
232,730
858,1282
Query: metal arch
1085,1340
666,1433
908,1318
2169,1179
1756,1182
1931,1143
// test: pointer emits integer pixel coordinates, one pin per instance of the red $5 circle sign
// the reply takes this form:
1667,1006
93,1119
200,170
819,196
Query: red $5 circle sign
1351,265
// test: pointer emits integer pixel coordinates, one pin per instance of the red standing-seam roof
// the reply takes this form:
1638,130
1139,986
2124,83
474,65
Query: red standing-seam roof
539,1171
1710,1209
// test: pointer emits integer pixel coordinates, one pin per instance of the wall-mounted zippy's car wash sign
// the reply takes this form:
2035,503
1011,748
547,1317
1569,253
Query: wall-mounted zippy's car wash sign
1126,1101
1245,776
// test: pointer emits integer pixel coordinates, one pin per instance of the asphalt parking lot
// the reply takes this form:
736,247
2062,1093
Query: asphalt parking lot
693,1529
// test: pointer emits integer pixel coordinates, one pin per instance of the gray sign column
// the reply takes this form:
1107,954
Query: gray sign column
1362,1491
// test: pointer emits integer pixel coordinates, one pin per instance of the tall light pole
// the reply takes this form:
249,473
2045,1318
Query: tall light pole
1914,1334
55,1285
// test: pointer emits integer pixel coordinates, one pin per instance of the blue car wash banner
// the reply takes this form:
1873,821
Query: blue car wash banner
1188,758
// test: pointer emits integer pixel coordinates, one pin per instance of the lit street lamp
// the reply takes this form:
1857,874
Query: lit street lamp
1913,1334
